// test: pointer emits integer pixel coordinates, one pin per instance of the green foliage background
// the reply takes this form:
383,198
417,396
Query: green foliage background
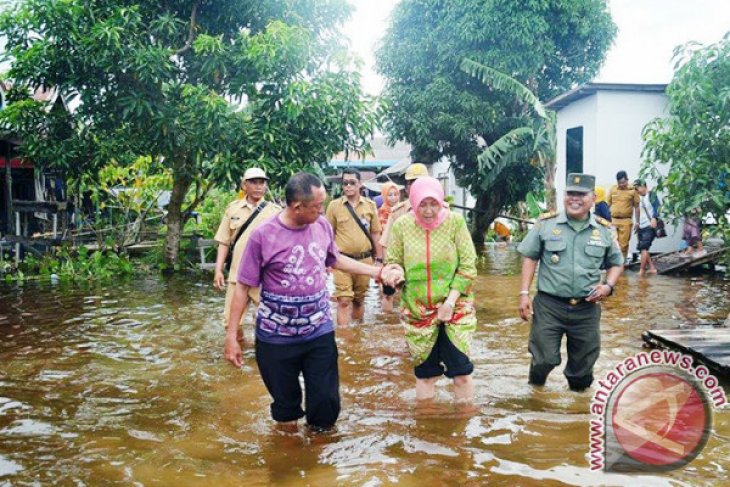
204,88
549,46
688,153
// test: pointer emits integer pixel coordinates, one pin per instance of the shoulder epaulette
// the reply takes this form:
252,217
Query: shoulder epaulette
549,214
235,203
602,221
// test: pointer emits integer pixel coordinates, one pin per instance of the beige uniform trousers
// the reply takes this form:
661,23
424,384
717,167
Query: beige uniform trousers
624,226
253,296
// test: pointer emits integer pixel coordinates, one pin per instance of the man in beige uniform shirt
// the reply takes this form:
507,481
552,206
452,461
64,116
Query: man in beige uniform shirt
623,200
254,185
350,289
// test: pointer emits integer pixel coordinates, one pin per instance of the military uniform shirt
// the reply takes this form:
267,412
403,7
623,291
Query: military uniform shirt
236,214
570,261
396,212
349,238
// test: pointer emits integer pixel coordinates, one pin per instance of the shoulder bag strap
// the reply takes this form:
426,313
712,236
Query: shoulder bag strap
243,228
359,224
644,207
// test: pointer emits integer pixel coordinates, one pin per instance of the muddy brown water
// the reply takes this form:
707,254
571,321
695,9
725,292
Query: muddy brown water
124,384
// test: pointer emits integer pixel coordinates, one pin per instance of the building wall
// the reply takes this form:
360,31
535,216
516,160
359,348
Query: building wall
582,113
442,171
612,125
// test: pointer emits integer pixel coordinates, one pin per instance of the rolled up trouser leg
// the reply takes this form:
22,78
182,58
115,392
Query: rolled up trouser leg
545,335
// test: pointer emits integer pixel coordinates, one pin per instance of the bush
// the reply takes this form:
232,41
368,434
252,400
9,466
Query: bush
68,264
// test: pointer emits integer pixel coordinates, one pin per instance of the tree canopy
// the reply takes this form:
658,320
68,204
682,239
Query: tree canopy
546,45
207,88
688,152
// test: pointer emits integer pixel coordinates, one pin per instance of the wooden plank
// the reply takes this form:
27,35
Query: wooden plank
656,258
206,242
704,330
681,264
709,345
33,241
39,206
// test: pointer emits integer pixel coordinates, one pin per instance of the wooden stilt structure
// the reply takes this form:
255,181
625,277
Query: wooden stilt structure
707,344
673,262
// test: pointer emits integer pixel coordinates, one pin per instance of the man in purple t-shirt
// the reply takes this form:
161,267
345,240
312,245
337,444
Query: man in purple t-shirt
288,258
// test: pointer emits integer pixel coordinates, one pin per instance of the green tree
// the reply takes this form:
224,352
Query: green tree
547,45
534,142
688,152
204,88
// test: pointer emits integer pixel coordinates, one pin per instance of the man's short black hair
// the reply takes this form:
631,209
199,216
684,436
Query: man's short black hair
299,187
621,175
353,171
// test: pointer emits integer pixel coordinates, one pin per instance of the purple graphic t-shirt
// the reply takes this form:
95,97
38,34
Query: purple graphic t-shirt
290,265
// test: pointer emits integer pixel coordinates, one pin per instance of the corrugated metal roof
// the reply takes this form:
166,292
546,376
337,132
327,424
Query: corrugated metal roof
588,89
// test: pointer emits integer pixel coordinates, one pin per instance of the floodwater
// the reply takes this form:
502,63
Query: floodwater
125,384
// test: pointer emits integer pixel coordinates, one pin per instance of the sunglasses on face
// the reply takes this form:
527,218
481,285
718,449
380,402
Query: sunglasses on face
349,182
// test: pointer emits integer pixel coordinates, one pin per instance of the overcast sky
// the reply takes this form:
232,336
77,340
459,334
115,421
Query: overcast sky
648,32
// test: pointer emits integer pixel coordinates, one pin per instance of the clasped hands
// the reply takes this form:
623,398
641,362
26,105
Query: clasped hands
391,275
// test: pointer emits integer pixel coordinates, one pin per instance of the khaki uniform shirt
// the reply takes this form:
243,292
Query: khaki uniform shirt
349,238
622,201
236,214
396,212
570,261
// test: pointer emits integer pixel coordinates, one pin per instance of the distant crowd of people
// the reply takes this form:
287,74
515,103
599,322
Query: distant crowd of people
634,208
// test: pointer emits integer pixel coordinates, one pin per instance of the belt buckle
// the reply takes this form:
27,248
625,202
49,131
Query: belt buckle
574,301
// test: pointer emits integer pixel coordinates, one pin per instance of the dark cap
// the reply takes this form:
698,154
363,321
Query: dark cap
639,182
582,183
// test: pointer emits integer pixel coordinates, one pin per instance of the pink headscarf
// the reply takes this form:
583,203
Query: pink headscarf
428,187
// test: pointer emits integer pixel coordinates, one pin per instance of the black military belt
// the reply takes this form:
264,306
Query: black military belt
570,301
360,256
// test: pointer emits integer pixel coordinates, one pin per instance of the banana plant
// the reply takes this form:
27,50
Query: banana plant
534,142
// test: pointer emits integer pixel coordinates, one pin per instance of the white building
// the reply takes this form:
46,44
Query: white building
460,196
599,127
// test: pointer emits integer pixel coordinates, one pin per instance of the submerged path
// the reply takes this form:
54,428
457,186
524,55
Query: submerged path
125,383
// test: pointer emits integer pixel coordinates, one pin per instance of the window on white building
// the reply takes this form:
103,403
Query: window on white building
574,150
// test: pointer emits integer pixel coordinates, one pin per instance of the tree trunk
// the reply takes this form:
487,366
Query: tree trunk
489,204
550,195
175,221
8,191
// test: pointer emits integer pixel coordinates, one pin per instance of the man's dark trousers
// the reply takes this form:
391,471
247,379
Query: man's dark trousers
552,318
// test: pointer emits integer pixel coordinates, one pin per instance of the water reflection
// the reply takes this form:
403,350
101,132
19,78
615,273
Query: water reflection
126,383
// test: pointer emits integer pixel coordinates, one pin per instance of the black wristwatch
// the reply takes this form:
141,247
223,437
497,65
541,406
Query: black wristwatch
610,286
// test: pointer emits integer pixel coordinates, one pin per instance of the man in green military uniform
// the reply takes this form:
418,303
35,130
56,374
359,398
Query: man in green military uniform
571,247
